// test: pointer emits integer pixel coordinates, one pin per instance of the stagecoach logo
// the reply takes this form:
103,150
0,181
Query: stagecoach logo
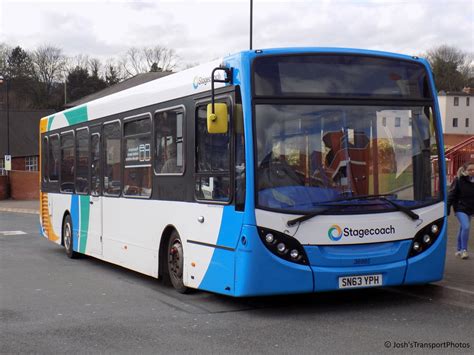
335,232
198,81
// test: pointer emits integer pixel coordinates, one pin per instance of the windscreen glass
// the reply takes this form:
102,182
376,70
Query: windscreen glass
307,155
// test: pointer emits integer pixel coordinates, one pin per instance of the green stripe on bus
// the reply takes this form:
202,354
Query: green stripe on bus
76,115
84,205
50,122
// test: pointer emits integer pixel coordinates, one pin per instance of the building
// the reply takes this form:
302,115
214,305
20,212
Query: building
457,114
19,132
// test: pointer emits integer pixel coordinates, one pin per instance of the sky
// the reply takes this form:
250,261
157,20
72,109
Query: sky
200,31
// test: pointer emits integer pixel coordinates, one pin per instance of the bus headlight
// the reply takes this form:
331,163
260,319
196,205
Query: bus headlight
283,245
416,246
294,254
269,238
426,237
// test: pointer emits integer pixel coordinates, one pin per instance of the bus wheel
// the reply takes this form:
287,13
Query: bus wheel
67,238
176,262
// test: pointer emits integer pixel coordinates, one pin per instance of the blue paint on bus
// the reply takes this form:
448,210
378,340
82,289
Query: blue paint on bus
219,276
75,221
429,265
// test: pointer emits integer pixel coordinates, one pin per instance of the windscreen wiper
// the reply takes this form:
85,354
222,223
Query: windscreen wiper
328,206
383,197
401,208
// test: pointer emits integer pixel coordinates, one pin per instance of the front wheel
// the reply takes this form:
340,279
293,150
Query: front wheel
176,262
68,239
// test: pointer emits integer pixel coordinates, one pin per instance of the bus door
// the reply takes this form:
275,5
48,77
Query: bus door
94,240
219,219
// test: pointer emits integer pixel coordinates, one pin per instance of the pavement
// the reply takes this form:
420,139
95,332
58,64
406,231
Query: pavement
458,279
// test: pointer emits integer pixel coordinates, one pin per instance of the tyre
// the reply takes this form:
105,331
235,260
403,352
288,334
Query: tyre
175,262
68,240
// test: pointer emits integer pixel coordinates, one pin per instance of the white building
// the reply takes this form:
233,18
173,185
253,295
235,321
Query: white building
457,112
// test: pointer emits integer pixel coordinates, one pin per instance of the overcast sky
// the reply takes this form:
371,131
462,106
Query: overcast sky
200,31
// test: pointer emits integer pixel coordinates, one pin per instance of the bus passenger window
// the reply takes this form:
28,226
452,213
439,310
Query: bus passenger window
137,173
67,162
112,149
53,158
169,142
44,160
95,164
82,161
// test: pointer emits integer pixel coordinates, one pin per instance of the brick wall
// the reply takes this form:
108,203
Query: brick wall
18,163
24,185
3,187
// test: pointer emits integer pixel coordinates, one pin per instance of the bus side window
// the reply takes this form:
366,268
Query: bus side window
169,152
95,164
112,164
67,162
82,161
44,160
137,171
212,161
53,158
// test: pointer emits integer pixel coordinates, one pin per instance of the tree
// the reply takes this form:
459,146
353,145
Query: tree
95,82
80,83
16,68
4,53
49,63
19,64
77,84
143,60
160,58
112,75
451,66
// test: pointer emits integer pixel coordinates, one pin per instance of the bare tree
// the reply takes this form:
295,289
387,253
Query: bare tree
161,57
5,51
452,67
142,60
79,61
131,64
48,63
113,72
95,67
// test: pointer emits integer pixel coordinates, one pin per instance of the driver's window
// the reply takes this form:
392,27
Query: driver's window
212,161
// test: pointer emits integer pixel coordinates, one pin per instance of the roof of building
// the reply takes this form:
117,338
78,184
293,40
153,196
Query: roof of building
23,131
123,85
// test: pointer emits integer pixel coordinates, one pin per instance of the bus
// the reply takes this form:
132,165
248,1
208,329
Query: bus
265,172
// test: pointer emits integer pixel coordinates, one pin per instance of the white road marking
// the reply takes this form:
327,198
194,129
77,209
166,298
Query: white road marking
5,233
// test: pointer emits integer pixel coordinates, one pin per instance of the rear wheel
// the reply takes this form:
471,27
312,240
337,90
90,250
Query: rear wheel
176,262
68,240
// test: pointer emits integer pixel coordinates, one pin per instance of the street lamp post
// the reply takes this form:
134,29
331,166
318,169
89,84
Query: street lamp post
5,80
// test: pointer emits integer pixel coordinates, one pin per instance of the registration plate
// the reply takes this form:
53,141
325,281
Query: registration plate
360,281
